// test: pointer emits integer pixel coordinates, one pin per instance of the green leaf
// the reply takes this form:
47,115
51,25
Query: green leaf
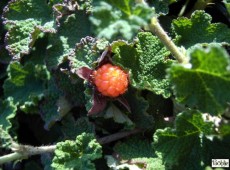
71,128
182,146
199,29
134,148
123,5
205,83
138,150
72,28
25,83
86,53
224,128
139,106
161,6
7,111
118,116
79,154
25,20
73,91
5,138
118,19
146,64
54,106
227,4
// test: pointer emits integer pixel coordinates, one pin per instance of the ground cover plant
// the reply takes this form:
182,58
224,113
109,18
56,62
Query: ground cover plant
114,84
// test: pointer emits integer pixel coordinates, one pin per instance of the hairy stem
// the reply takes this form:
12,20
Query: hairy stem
11,157
156,28
24,151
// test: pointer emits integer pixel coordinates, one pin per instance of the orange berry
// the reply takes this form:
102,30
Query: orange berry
110,80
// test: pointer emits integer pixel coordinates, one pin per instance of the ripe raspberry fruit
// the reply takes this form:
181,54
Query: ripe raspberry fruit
110,80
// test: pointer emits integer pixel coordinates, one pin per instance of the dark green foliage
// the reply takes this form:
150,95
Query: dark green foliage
172,116
206,78
25,83
189,144
199,29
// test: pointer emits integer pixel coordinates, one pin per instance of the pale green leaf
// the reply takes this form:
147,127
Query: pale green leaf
78,154
117,19
147,63
25,20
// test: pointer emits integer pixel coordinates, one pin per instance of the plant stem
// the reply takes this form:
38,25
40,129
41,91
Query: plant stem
156,28
11,157
23,151
117,136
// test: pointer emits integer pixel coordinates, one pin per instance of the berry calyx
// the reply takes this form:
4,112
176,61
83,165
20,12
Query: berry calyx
110,80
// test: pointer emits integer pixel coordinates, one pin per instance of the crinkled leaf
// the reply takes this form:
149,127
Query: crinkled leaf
87,52
7,111
155,163
25,20
146,64
199,29
182,146
134,148
139,106
5,138
119,19
77,154
72,28
25,83
161,6
205,83
72,128
118,116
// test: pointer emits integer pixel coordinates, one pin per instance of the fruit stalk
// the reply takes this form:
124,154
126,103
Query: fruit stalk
156,28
